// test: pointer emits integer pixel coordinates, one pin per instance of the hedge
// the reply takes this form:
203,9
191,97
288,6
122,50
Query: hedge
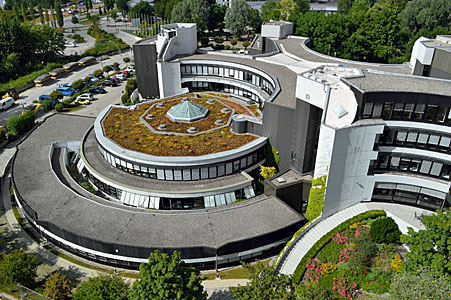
300,269
316,198
17,125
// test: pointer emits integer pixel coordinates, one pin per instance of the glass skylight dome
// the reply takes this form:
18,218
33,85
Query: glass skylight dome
187,111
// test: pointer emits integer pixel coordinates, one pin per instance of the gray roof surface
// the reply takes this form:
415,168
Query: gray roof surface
98,162
294,46
53,202
286,77
380,82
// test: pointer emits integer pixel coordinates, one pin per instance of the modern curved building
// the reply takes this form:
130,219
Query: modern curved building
179,169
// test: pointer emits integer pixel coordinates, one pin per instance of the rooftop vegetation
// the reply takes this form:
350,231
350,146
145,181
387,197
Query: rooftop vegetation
123,126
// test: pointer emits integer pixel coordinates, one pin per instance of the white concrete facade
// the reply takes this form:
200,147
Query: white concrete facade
277,30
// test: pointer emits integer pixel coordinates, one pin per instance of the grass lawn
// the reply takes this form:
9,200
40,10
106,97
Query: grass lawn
234,273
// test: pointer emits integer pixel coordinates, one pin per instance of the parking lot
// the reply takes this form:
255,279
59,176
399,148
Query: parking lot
27,97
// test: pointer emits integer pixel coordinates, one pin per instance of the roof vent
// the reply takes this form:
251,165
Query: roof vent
162,127
281,180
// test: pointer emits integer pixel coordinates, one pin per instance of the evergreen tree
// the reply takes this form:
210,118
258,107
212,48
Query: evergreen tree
31,12
46,16
59,14
236,17
52,11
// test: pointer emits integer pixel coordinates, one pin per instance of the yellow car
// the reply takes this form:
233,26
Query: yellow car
83,102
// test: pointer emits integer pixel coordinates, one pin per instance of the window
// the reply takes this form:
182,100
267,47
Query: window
367,110
397,110
386,113
408,111
419,111
441,114
430,112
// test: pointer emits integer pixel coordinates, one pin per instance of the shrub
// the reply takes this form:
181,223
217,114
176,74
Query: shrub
107,69
126,59
116,65
56,95
385,230
246,44
19,124
330,252
219,40
78,85
97,73
102,287
86,79
2,134
233,43
316,198
47,105
267,172
365,249
57,287
59,107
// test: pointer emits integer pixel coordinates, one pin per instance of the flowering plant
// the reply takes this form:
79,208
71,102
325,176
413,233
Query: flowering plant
314,269
344,286
346,254
340,239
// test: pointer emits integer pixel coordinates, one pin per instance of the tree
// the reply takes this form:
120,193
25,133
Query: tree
303,6
246,44
385,230
102,287
126,59
270,12
31,12
233,43
286,8
217,14
18,266
57,287
142,8
114,15
255,21
16,12
432,246
196,11
74,19
421,285
59,14
23,10
426,14
265,283
46,16
237,17
52,13
122,5
165,277
344,6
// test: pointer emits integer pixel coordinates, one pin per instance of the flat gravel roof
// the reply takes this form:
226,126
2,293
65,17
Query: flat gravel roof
381,82
285,76
53,202
294,46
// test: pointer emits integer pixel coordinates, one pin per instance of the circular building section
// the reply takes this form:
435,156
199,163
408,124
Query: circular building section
130,157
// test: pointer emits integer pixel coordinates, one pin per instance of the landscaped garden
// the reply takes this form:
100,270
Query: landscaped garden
124,127
359,258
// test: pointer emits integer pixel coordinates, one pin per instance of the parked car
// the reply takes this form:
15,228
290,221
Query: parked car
69,30
85,96
109,82
120,76
126,73
6,103
82,102
98,90
66,90
71,45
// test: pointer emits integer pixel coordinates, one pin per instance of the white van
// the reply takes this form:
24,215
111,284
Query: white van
6,103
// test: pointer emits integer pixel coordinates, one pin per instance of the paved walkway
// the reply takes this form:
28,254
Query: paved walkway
405,216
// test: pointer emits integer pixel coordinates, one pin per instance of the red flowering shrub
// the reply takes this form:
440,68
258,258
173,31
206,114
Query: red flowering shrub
314,269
